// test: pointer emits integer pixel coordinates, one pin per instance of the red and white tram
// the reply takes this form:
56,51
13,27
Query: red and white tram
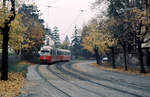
50,55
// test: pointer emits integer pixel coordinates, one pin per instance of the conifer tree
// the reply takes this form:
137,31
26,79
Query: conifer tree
66,43
56,37
75,44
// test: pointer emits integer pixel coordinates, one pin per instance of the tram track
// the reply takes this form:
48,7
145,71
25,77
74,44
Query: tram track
50,84
59,67
114,81
71,82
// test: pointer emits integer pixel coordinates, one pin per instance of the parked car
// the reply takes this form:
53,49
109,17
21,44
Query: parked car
105,59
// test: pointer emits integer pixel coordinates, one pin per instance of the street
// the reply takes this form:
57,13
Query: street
79,79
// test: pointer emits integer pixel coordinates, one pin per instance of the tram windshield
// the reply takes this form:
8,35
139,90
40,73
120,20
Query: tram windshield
45,52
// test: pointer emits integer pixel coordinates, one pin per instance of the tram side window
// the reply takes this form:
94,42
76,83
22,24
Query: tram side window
54,52
64,53
51,52
61,53
58,52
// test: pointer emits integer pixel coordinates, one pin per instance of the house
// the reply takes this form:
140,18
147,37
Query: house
48,41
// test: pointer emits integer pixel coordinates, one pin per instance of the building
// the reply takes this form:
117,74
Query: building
48,41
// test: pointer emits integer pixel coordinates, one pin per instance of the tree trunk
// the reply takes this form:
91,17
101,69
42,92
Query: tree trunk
4,75
141,58
125,58
5,32
147,56
4,3
98,59
97,56
113,58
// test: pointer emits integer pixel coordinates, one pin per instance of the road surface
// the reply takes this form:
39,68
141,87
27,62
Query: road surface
79,79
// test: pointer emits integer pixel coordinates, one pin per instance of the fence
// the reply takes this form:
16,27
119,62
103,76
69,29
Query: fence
132,58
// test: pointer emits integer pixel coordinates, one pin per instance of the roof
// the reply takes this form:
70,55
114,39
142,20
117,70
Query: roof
64,50
49,47
46,47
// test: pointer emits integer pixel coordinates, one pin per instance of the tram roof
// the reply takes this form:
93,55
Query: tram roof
64,50
49,47
46,47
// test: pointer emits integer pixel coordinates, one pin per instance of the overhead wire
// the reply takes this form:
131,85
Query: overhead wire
74,21
54,2
49,5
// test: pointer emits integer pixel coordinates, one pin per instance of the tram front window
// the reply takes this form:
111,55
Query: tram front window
45,52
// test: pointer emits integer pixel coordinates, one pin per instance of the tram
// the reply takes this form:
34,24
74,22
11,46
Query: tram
51,55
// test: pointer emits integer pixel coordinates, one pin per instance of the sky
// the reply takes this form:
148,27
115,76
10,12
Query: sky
65,14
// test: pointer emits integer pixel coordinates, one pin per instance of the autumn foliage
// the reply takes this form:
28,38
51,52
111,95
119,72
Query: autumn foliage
98,39
129,25
21,31
26,35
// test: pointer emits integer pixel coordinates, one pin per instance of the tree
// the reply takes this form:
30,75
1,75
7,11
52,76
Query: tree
32,12
16,34
75,44
55,36
48,31
131,27
9,16
98,40
67,40
117,25
66,43
35,29
84,52
140,26
131,24
119,12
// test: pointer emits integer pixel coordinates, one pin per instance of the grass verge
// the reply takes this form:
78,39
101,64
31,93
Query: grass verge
20,68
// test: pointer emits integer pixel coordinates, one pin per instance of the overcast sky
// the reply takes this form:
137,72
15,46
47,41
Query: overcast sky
65,14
